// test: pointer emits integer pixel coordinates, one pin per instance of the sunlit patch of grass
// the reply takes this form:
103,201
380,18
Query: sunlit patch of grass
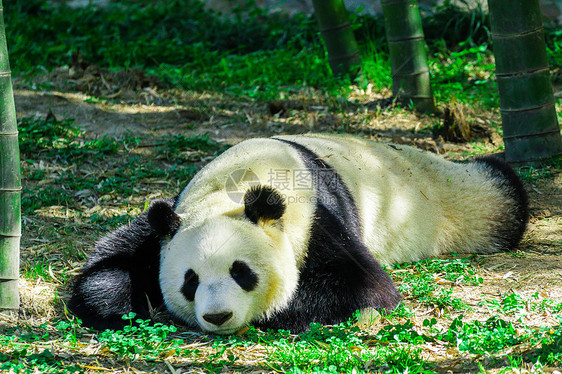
140,338
550,351
467,74
542,303
489,336
340,348
257,75
548,169
58,152
395,347
421,280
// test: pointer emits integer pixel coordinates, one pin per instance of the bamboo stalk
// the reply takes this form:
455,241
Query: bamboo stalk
10,183
530,124
408,59
335,26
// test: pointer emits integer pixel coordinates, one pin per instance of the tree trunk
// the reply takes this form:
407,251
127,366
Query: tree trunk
335,26
10,184
408,59
530,124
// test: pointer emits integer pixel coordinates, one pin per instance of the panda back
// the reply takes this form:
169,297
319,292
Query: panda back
413,204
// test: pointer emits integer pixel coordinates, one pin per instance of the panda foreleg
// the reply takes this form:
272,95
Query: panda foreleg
339,278
120,276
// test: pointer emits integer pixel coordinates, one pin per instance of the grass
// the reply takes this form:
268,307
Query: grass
190,47
78,185
404,341
141,339
421,281
396,347
74,173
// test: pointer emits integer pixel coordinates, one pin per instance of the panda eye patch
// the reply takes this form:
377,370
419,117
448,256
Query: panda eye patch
190,284
243,275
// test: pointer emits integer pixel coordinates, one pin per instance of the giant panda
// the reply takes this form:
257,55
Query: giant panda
290,230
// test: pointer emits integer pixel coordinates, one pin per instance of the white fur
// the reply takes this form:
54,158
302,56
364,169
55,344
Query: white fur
412,205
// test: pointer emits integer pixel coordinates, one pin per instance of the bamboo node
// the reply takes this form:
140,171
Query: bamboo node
523,73
509,137
527,109
335,28
397,40
496,35
421,72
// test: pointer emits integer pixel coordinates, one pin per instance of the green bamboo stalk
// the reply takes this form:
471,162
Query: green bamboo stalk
335,26
10,183
408,59
530,124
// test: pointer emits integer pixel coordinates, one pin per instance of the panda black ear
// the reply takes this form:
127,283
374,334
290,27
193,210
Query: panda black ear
162,218
263,202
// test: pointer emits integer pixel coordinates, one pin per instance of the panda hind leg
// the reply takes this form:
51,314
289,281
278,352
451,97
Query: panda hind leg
120,276
102,295
516,219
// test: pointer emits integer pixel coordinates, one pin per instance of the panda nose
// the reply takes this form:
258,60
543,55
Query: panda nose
217,318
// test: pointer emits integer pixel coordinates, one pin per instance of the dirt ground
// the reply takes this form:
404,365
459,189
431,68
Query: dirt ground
139,105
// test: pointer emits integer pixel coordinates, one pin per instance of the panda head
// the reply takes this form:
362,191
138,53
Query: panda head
229,270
